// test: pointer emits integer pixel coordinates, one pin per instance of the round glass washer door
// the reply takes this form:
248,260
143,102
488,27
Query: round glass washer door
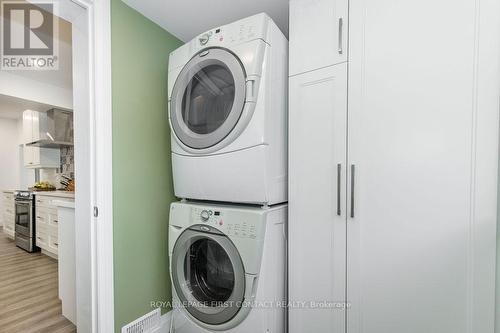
208,276
208,98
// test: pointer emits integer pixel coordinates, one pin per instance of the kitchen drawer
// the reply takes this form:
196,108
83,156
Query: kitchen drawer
8,218
9,227
43,201
9,204
10,210
8,196
52,230
42,228
53,220
9,230
53,245
42,209
42,218
42,240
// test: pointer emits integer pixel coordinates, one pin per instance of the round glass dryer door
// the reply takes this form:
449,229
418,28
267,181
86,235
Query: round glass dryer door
208,98
208,276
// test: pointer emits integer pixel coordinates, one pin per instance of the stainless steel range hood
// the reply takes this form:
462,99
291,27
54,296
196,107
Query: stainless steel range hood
54,130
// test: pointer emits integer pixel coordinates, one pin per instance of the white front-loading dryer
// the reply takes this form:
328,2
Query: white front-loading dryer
227,266
228,114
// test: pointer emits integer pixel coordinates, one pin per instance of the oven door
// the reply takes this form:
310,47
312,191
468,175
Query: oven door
23,217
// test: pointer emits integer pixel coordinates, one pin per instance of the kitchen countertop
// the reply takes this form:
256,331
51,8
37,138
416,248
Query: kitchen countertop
8,191
60,194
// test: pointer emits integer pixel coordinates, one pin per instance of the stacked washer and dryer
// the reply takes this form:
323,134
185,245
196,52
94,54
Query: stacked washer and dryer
228,97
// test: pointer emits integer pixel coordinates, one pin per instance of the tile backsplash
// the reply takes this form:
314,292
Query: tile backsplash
68,161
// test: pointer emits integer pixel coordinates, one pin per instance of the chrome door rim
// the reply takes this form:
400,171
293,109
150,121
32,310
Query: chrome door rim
213,56
209,315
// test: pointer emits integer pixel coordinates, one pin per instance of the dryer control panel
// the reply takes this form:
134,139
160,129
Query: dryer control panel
250,28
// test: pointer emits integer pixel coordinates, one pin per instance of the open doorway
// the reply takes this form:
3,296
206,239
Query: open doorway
48,184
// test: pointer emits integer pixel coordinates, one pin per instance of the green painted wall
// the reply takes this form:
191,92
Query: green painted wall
142,182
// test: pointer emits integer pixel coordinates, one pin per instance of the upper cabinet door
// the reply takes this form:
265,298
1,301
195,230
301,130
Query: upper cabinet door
27,126
318,34
317,220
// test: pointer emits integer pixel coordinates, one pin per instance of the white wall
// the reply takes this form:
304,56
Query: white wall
9,156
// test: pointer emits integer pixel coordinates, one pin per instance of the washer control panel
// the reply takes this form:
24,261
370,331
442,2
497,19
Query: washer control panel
242,230
221,220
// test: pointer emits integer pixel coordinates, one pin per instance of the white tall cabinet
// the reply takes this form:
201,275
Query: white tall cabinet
311,21
393,167
318,228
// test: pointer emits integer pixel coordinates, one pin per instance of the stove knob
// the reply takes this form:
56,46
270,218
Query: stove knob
205,215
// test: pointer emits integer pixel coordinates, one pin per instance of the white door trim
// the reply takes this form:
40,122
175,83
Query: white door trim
98,16
103,166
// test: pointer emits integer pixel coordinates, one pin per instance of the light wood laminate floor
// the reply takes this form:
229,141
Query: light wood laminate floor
29,300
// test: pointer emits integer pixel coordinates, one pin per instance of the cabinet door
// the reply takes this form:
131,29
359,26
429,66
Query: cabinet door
53,244
8,224
317,220
27,126
318,34
36,156
424,142
35,125
28,155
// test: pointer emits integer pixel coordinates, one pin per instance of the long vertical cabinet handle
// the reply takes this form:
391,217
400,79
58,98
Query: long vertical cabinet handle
341,35
353,171
339,180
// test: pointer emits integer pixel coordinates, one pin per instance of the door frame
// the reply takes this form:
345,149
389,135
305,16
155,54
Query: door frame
99,28
96,197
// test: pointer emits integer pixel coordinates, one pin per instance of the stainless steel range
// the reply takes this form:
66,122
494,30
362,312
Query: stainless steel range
25,221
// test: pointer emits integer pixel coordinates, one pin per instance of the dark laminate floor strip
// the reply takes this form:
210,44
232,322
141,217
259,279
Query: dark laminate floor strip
29,301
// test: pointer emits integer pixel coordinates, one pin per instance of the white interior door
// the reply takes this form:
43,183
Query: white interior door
421,244
317,220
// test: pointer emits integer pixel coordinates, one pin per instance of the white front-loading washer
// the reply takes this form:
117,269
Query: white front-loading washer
228,114
228,268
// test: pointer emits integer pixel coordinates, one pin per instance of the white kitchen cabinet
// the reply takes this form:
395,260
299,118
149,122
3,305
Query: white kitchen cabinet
28,126
318,228
36,157
318,34
67,258
8,214
47,225
420,196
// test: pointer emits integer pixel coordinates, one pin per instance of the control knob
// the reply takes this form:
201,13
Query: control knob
205,215
204,38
